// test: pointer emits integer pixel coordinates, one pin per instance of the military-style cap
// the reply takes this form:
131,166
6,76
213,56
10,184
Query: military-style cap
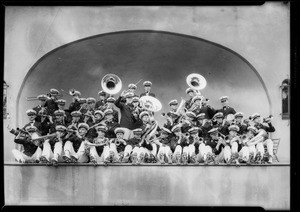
224,98
218,115
135,99
253,129
101,128
144,113
108,112
197,97
238,114
83,125
31,128
90,100
234,128
82,100
201,116
77,93
189,90
137,131
190,114
59,113
193,130
99,112
61,102
254,116
173,102
129,95
42,97
132,86
176,128
101,93
119,130
111,99
147,83
76,113
165,130
60,128
54,91
30,112
213,131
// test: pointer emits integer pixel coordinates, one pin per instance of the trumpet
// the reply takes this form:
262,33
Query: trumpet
268,119
44,137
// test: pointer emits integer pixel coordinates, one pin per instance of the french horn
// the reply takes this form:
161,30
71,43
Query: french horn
111,84
150,103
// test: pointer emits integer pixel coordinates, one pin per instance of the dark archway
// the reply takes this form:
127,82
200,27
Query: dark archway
164,58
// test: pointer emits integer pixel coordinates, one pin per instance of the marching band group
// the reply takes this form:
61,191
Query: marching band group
91,131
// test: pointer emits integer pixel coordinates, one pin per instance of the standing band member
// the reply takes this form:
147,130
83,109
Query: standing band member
41,106
51,104
102,100
147,87
191,93
75,105
226,109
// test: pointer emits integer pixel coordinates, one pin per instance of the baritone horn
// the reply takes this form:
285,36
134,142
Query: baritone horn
111,84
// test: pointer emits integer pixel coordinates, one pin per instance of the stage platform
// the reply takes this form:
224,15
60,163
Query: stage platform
266,185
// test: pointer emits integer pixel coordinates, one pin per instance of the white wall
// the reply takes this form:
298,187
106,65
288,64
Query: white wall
259,34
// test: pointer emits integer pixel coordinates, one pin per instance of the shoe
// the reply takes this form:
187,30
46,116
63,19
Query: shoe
125,158
54,162
66,159
73,159
93,160
270,159
184,159
43,159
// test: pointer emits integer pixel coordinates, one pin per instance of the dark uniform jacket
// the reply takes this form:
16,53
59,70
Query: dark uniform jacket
208,111
222,128
36,124
127,120
174,142
55,123
29,147
46,126
65,138
213,143
268,128
188,104
120,147
37,110
51,106
111,126
99,103
74,106
243,128
133,142
226,110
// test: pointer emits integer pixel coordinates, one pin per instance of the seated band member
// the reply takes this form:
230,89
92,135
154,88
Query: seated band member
46,122
251,132
110,104
99,120
75,148
53,147
238,121
172,120
32,150
180,141
191,93
147,87
188,121
89,114
220,123
216,143
102,100
137,109
41,106
188,152
132,149
196,104
75,105
76,120
96,148
262,139
51,104
61,106
234,147
110,124
31,114
164,142
208,110
115,151
203,127
226,109
59,119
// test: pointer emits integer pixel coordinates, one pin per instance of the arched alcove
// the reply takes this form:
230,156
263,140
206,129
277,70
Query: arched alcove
164,58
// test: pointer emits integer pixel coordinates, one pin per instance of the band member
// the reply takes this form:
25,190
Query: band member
61,106
251,132
238,121
75,105
235,144
208,110
99,120
188,151
205,152
137,109
203,124
59,119
102,99
132,88
96,148
173,106
216,143
263,137
75,148
76,120
126,109
31,114
164,142
32,151
115,152
172,120
196,104
53,147
220,123
179,141
110,124
132,149
46,122
51,104
189,121
147,87
89,114
110,102
191,93
41,106
226,109
83,107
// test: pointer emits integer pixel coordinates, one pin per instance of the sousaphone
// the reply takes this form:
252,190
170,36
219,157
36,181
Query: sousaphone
150,103
111,84
196,81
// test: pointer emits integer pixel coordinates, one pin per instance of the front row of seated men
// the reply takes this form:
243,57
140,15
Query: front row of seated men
84,143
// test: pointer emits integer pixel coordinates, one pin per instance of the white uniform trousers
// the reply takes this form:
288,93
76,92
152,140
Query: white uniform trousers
21,157
165,150
112,148
177,153
252,150
80,155
57,151
94,153
189,150
203,151
244,153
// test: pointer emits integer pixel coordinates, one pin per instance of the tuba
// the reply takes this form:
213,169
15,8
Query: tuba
150,103
111,84
196,82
